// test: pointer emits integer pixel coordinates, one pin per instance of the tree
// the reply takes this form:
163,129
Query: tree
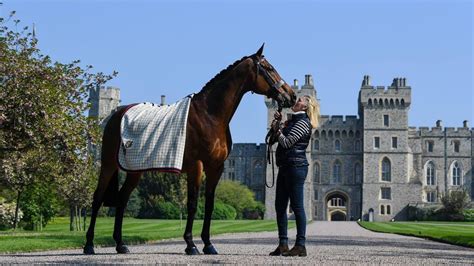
156,187
42,106
236,195
454,204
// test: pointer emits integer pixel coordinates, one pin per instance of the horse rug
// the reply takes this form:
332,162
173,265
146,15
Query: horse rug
154,136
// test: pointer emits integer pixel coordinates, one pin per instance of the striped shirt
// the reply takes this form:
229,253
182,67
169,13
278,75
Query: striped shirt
301,128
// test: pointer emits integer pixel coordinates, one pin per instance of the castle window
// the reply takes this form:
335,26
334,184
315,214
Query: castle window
397,102
351,133
344,133
316,196
316,134
376,142
456,145
358,173
431,196
357,134
382,209
336,172
456,174
357,145
430,174
386,170
394,142
330,133
389,211
402,102
337,145
385,193
317,173
315,211
385,120
391,103
429,145
370,102
316,144
337,134
337,202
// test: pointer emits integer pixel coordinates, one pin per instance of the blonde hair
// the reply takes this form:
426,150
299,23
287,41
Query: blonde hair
312,110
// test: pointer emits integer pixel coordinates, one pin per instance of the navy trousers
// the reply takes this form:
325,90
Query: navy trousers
290,186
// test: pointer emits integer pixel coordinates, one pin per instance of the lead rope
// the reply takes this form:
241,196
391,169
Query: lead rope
270,140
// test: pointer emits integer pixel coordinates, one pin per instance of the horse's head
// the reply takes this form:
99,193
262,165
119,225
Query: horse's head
269,83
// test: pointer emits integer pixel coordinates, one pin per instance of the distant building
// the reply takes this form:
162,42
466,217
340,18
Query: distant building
246,164
103,100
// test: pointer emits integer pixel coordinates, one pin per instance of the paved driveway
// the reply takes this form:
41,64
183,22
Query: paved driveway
328,243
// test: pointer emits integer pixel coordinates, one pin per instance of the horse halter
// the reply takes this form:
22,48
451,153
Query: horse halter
275,87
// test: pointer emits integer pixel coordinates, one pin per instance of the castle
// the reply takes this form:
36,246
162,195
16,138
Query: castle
371,166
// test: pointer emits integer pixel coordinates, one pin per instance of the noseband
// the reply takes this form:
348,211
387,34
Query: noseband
275,87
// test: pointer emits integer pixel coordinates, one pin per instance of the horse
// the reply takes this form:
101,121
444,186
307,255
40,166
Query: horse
208,143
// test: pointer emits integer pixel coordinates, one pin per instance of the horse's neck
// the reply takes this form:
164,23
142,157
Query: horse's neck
224,98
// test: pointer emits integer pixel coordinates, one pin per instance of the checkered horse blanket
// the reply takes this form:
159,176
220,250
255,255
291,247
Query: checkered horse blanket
153,136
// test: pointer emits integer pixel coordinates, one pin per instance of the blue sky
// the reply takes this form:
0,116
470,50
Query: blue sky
175,47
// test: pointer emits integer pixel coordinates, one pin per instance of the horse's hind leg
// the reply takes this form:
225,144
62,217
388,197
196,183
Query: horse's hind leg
106,174
130,184
213,174
194,182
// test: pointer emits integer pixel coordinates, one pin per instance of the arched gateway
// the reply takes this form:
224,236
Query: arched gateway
337,206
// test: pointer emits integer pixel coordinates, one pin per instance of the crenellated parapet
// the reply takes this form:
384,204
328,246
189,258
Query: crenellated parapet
339,121
439,130
397,95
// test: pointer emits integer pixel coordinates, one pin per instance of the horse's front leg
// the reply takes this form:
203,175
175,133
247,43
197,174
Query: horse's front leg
130,184
213,173
194,182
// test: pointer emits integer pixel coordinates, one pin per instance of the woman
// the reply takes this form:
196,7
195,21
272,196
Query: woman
292,165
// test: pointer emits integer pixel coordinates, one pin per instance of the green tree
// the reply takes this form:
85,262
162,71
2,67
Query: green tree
236,195
455,203
42,106
155,188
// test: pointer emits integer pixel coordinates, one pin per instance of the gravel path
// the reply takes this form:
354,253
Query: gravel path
327,243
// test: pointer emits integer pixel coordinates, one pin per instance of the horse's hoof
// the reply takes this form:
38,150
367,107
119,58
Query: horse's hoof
89,250
192,251
122,249
209,250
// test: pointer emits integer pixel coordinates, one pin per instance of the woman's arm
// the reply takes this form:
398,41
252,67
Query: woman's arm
300,129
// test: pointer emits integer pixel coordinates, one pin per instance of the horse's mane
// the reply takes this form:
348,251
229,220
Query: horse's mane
221,74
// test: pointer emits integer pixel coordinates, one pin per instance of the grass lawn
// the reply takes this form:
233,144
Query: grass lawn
458,233
56,234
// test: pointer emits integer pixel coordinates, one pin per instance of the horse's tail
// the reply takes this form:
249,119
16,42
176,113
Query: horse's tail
111,195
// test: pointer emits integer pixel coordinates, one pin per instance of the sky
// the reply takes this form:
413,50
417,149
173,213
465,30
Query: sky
173,48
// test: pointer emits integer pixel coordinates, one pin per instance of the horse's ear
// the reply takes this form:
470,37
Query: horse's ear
260,51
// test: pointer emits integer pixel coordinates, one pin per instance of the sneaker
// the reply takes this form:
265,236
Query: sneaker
299,251
279,250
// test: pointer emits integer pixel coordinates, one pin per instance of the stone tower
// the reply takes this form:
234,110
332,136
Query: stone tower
103,101
307,89
387,160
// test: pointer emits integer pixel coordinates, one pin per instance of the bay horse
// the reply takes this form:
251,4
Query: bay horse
207,145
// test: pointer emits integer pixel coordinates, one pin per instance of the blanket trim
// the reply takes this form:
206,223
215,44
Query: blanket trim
162,169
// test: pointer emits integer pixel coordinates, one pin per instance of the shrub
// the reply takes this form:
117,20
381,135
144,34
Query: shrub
7,214
254,213
223,211
158,208
469,215
236,195
454,203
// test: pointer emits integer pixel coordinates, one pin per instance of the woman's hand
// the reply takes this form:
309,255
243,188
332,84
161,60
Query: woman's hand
277,116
